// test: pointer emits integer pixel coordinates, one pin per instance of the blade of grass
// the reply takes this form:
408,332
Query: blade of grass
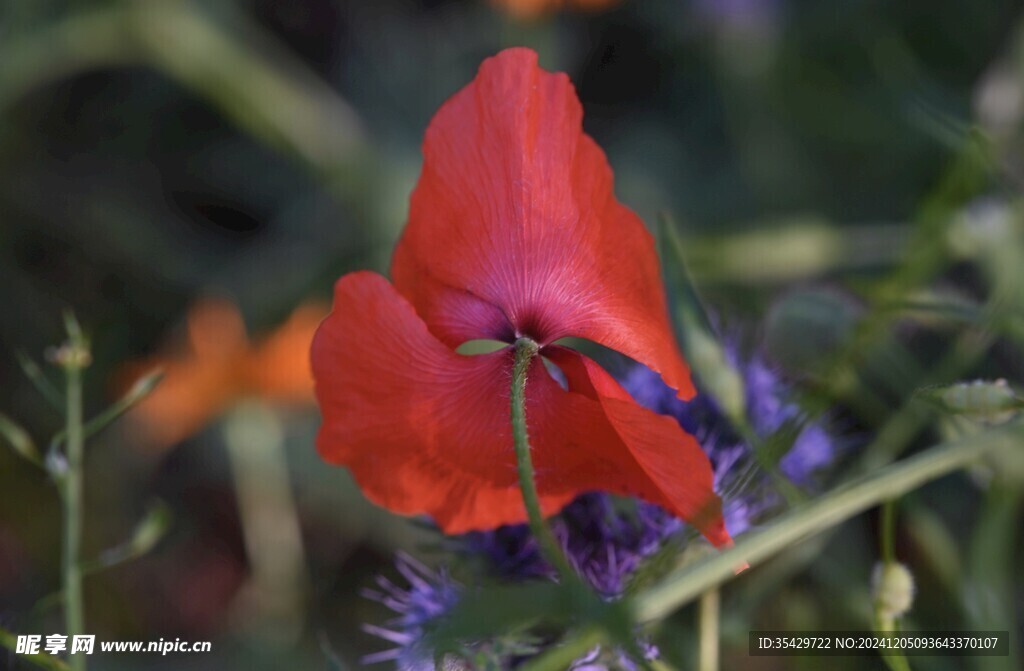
147,533
843,503
562,656
827,511
9,640
142,388
38,378
19,440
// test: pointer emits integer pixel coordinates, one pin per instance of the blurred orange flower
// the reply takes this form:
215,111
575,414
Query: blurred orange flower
529,9
218,365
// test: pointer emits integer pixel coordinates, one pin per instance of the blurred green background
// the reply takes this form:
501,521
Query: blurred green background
834,168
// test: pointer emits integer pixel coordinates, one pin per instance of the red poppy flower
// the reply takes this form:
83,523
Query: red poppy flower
513,231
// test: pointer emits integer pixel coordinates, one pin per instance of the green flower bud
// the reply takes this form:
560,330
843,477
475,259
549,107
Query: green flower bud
985,401
69,355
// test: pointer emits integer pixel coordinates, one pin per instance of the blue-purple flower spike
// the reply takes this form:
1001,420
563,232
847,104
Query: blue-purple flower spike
429,595
606,544
769,410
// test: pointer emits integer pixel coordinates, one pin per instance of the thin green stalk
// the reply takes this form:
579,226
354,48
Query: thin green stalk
888,540
893,657
710,605
142,388
73,357
884,624
72,500
525,350
39,380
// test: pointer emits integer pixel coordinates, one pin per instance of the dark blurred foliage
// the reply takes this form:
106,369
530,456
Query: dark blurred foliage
152,153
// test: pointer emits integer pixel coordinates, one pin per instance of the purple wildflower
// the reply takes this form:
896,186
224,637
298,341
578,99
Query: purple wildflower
510,551
429,595
769,410
606,543
603,544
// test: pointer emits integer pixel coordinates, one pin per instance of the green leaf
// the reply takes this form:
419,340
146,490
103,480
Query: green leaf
719,377
73,328
20,440
670,556
539,606
937,544
773,448
47,603
142,388
9,640
38,378
522,606
991,570
682,292
148,532
781,251
559,657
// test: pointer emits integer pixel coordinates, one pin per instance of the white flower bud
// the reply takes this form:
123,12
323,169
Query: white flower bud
893,589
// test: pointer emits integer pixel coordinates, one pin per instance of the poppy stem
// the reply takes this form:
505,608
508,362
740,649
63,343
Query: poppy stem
525,350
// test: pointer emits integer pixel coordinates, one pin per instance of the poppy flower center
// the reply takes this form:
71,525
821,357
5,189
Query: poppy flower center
534,325
527,346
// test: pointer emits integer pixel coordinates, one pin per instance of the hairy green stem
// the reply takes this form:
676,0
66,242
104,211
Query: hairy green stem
72,500
525,350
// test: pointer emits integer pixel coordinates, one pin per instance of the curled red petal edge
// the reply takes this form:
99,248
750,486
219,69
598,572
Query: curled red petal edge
672,459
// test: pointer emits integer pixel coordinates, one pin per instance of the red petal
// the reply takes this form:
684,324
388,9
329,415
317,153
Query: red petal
664,464
426,430
423,429
514,228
